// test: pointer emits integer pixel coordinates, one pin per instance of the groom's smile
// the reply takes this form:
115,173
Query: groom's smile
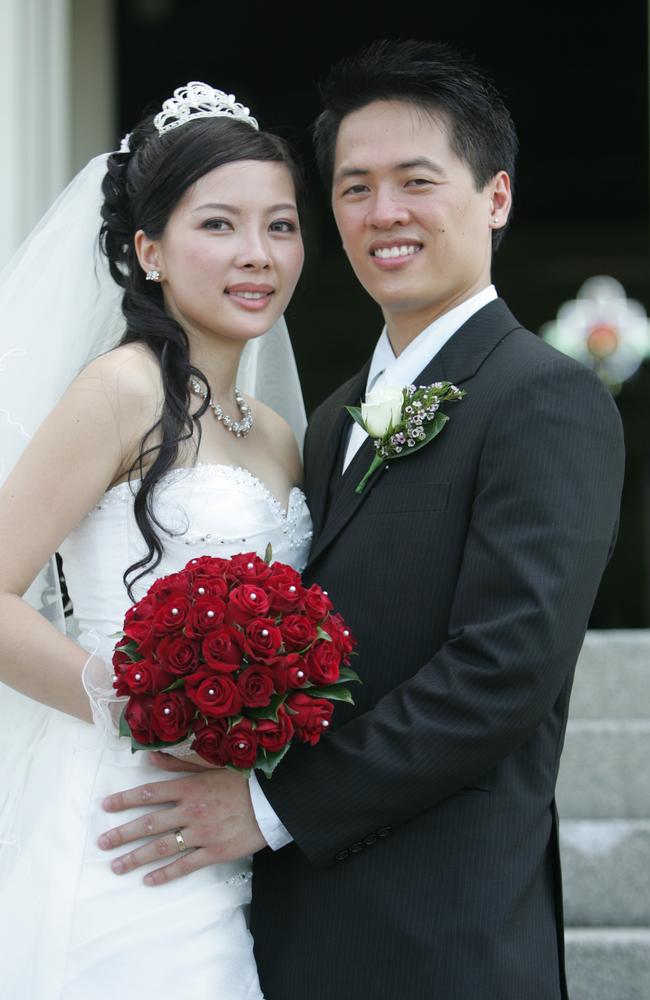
417,231
394,253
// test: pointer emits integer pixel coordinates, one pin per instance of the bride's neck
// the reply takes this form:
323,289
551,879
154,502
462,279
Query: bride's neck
218,362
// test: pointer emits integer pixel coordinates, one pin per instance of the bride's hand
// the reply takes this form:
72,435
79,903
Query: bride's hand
190,762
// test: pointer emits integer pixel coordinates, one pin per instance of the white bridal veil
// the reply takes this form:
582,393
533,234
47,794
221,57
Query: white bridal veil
59,308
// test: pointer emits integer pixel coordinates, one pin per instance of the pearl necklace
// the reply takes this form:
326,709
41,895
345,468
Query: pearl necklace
239,428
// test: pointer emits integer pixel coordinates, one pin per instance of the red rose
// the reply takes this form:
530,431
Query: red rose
213,694
121,688
341,636
256,686
297,632
247,602
285,588
176,584
171,615
221,649
138,716
323,662
172,714
312,716
142,611
247,567
204,585
273,736
120,658
208,565
145,677
141,633
262,639
289,672
206,613
241,744
316,603
209,742
177,654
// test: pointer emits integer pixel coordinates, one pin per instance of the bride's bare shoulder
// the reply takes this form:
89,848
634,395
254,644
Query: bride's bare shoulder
129,371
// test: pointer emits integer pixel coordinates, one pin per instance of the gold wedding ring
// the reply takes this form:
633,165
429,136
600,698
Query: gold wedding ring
182,846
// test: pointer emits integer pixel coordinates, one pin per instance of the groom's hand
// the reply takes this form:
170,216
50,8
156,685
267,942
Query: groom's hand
211,810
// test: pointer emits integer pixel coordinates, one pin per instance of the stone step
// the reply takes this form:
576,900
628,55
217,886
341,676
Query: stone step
612,677
605,964
606,872
604,772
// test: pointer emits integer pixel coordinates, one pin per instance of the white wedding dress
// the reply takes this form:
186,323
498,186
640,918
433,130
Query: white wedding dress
69,928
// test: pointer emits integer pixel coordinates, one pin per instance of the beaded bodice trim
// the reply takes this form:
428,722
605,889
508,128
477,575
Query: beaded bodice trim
291,520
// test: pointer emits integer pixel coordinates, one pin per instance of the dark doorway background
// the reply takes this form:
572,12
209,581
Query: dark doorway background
575,77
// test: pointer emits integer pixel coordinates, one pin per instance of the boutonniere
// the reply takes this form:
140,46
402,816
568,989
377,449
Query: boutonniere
402,420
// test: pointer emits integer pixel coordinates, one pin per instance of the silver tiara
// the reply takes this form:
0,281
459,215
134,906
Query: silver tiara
196,100
200,100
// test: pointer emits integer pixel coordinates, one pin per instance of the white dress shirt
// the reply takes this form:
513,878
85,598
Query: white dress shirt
401,371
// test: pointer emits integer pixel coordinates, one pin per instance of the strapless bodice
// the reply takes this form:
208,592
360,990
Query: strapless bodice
204,510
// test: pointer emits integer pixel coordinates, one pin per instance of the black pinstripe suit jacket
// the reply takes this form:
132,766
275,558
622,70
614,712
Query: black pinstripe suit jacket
425,862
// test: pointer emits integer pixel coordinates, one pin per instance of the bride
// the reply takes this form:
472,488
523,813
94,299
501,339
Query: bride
154,452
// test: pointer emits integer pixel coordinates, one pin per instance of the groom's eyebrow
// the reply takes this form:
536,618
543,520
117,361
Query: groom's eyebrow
419,161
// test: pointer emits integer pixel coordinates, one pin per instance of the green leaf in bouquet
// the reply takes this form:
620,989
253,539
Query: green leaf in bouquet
269,711
333,692
131,650
322,634
178,683
234,720
123,725
268,554
267,761
348,676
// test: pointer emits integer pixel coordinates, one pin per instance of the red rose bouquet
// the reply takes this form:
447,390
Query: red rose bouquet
235,655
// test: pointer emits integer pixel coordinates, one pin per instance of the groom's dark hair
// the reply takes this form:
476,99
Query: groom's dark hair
431,76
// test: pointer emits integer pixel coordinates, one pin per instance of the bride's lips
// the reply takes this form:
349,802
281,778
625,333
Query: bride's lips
250,296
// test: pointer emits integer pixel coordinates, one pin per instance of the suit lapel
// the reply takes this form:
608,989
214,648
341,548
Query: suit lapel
464,353
325,453
457,361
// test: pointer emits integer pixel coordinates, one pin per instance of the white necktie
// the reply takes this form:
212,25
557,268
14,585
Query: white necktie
357,434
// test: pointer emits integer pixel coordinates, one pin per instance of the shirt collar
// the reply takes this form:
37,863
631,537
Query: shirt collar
414,358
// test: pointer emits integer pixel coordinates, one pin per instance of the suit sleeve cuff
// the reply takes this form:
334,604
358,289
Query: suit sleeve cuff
274,832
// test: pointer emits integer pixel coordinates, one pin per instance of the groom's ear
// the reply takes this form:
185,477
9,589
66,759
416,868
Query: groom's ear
500,200
147,251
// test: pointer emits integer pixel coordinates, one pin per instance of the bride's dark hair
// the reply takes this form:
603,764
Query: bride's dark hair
141,188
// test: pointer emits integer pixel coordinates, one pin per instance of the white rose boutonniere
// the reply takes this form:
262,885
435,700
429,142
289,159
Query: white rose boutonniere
402,420
382,411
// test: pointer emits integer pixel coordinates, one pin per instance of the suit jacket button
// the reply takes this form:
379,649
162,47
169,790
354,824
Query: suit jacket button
370,839
383,831
356,847
342,855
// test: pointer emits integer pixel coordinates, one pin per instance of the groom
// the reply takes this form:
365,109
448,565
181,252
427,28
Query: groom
416,847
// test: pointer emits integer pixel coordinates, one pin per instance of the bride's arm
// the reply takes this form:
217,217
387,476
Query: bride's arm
83,446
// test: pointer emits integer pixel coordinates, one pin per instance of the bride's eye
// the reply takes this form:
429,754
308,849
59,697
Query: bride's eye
283,226
217,225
